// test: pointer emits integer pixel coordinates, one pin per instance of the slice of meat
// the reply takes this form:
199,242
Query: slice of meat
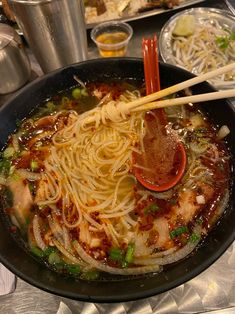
22,199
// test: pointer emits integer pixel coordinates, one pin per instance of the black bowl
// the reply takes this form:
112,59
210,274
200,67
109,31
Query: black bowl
12,251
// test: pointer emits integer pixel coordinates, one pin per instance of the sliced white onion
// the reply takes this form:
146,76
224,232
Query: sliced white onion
198,148
200,199
223,132
25,174
56,229
15,142
37,233
2,180
112,270
69,256
66,238
164,253
171,258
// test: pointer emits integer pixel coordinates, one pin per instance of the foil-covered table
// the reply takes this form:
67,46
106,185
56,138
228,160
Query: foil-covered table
211,291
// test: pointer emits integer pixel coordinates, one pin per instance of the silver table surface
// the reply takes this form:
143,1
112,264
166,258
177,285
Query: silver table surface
211,291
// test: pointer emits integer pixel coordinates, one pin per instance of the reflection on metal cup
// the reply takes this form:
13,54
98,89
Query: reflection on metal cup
54,29
14,64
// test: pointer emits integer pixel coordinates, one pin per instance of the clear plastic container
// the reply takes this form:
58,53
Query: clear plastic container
112,38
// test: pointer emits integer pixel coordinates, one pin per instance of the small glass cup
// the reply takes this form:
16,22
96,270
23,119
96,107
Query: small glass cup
112,38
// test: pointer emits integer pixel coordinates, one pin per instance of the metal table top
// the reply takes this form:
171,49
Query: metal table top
211,291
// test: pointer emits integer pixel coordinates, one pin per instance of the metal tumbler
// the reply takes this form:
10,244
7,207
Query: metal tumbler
54,29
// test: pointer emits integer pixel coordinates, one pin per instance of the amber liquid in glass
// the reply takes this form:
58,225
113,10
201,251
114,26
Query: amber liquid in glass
112,39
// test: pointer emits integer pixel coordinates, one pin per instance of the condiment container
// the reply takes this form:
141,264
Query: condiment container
112,38
14,63
54,29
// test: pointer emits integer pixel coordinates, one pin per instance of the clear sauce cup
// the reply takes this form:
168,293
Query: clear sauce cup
112,38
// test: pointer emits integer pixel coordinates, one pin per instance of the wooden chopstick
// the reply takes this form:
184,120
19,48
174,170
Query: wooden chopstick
185,100
180,86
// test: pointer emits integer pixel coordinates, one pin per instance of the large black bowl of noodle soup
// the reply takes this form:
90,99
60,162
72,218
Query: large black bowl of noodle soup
14,248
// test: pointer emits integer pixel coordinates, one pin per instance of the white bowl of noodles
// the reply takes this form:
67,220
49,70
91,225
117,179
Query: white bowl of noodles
208,44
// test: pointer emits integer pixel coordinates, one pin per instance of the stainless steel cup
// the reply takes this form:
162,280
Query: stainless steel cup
54,29
14,64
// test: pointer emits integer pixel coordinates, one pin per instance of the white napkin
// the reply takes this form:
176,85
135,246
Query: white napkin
7,281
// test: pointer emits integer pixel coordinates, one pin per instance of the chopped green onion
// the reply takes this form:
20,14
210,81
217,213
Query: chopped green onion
5,166
151,209
49,250
59,266
200,131
199,221
37,252
32,187
90,275
9,152
178,231
116,254
6,197
173,201
84,92
130,253
50,106
54,258
124,264
224,41
65,100
73,269
76,93
194,237
34,165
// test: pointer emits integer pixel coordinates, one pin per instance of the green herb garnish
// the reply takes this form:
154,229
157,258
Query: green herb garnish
54,258
116,254
5,166
124,258
199,221
90,275
130,253
76,93
73,269
34,165
151,209
224,41
37,252
178,231
194,237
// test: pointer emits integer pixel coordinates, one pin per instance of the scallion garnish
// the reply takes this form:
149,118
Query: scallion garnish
76,93
34,165
194,237
37,252
73,269
90,275
152,208
116,254
178,231
54,258
130,253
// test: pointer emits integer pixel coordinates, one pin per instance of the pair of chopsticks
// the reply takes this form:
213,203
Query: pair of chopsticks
149,102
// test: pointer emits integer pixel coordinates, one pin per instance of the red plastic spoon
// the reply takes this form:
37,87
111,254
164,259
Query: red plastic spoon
163,162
